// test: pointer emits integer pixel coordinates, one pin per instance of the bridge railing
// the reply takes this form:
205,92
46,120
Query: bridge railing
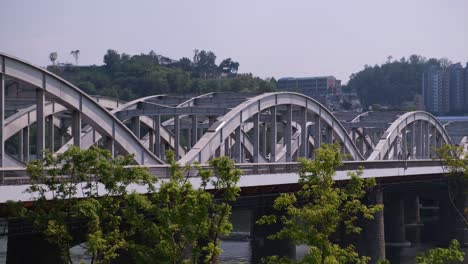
18,176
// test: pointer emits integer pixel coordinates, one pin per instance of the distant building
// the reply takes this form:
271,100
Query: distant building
456,87
445,90
465,81
318,88
435,90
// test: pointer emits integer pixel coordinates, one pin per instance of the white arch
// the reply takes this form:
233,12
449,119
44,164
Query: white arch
226,125
385,142
73,98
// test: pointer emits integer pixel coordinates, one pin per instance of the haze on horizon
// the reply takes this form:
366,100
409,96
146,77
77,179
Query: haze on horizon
269,38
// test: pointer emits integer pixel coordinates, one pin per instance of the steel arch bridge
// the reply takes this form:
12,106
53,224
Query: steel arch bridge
40,110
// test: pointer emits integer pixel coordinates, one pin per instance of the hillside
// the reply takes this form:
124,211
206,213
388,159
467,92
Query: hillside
128,77
392,83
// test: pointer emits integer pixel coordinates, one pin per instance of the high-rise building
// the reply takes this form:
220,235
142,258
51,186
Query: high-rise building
435,90
457,89
445,89
465,82
318,88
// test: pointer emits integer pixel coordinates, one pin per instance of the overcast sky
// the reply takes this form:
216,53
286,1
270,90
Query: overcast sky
267,37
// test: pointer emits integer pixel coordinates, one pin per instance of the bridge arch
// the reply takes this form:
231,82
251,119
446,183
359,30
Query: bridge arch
425,132
250,109
80,103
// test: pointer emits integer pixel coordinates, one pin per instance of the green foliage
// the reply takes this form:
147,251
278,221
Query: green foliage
391,83
323,209
65,218
175,223
186,221
128,77
450,255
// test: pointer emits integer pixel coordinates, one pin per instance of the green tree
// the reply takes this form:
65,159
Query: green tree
314,215
186,221
87,187
450,255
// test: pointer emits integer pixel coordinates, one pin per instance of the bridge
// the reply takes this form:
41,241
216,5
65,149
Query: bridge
264,134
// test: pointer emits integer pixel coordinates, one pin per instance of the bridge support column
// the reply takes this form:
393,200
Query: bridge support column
288,133
372,238
256,137
157,135
176,136
40,132
2,119
395,219
451,214
76,128
273,134
413,219
194,132
263,247
395,232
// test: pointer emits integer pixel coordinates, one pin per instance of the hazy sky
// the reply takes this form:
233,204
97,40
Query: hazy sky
268,37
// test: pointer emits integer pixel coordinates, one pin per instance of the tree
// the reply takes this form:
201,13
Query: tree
186,221
112,60
229,66
455,159
450,255
75,54
53,57
313,215
60,183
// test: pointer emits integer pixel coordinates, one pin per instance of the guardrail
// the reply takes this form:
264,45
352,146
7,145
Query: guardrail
18,176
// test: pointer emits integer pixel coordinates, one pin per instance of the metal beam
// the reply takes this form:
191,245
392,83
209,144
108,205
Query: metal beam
256,137
2,120
288,133
273,134
157,135
76,128
304,133
40,121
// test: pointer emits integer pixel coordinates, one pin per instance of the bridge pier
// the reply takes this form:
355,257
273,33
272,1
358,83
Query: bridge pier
395,230
263,247
452,217
371,241
413,219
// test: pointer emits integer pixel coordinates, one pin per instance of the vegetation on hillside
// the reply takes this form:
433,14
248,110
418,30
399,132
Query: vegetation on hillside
128,77
393,82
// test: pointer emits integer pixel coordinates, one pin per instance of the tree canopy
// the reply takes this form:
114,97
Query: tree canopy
393,82
128,77
315,214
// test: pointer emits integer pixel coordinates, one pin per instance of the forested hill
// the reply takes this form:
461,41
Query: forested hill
128,77
391,83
